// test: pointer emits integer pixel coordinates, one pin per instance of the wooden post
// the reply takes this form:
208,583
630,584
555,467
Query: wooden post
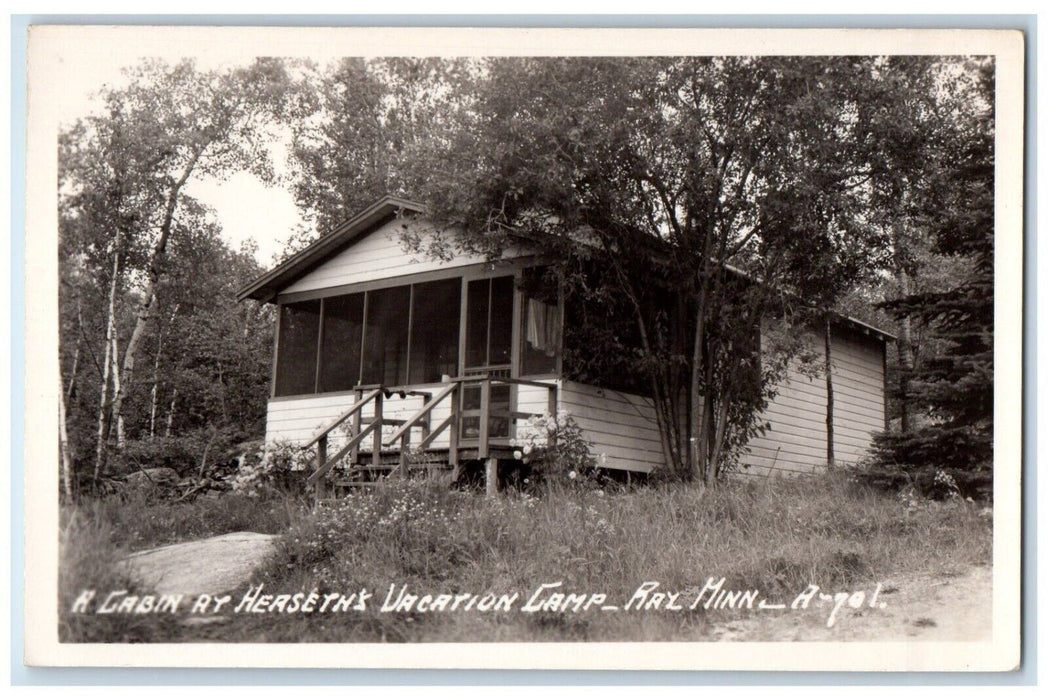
376,435
830,460
485,417
404,444
321,459
491,477
453,436
424,427
354,454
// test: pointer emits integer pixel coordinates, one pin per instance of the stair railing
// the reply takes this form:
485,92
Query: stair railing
366,395
454,392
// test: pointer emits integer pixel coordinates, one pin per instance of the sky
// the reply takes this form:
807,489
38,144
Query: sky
246,208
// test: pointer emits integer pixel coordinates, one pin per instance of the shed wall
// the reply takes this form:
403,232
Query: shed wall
796,440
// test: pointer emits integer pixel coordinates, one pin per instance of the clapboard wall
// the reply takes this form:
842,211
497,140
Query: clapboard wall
380,255
620,427
796,439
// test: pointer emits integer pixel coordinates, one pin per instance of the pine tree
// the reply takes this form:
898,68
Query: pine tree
955,386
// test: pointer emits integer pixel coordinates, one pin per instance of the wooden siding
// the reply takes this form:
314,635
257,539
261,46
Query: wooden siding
796,441
620,426
298,419
858,393
379,255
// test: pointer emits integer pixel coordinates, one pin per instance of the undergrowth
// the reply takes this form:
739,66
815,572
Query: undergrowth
776,535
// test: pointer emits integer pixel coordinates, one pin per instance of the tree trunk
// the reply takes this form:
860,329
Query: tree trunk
697,421
156,262
830,460
63,445
117,391
171,414
70,392
154,393
719,432
904,343
103,400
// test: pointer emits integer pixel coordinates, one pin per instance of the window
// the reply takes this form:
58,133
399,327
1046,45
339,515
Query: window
435,331
340,346
386,336
297,356
540,322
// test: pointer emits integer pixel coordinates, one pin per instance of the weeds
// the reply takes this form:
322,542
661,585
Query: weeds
138,521
775,535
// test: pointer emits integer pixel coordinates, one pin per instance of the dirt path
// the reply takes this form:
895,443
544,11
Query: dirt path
941,607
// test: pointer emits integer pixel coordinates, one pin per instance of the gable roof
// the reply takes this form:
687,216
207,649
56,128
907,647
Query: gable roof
265,287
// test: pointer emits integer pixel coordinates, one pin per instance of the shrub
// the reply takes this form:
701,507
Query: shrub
555,449
278,467
184,453
902,463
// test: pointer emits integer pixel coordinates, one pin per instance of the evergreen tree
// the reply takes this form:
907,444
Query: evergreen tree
955,386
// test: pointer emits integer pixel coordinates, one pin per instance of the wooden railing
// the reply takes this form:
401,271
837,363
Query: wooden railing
422,419
484,414
359,431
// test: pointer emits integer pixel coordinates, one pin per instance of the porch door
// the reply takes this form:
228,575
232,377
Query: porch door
488,350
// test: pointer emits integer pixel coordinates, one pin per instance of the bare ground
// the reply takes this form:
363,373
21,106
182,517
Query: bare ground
945,606
211,565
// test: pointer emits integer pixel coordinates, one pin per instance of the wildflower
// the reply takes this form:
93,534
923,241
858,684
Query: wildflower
572,475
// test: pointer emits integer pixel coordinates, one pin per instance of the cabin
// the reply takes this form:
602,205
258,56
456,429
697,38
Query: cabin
388,360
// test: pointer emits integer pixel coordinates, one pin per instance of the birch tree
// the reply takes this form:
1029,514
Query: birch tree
124,177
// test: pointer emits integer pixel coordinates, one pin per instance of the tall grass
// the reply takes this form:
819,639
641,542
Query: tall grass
138,520
774,535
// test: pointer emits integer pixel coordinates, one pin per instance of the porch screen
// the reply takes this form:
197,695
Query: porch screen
435,330
489,322
297,348
386,336
340,347
540,337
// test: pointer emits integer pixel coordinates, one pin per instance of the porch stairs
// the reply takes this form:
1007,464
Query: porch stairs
397,455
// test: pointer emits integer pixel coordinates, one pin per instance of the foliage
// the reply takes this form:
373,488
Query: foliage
277,467
378,126
556,450
203,451
955,384
152,341
686,171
